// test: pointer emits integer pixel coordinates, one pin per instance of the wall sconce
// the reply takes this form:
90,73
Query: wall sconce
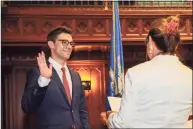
86,85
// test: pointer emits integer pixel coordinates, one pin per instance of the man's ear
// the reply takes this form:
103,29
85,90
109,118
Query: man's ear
51,44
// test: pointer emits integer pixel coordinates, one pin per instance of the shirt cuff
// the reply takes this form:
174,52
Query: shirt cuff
42,81
109,121
110,115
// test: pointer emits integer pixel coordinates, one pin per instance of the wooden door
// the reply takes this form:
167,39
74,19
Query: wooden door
93,71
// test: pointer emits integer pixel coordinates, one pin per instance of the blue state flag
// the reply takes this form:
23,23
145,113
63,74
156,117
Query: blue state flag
116,68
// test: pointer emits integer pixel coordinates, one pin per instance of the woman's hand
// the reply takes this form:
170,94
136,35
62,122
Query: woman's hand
104,117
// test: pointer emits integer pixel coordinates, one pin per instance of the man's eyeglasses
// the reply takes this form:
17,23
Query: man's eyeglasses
66,42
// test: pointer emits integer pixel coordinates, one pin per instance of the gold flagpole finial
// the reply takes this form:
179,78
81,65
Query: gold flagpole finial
106,5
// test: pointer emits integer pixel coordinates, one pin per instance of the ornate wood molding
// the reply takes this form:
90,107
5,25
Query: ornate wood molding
31,24
86,53
90,11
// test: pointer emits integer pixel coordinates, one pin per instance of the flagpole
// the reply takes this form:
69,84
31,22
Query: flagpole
116,66
114,46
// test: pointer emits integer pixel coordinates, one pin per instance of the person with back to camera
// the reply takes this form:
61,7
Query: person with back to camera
157,93
56,94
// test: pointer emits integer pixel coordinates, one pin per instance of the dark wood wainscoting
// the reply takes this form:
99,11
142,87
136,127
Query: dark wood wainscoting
92,65
13,83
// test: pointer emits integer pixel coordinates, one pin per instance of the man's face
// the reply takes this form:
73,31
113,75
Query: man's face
63,46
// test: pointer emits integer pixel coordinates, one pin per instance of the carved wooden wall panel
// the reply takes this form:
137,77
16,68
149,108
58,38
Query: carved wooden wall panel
146,25
131,27
82,27
10,26
19,74
16,64
95,98
85,29
14,78
28,27
14,82
46,26
67,23
99,27
6,97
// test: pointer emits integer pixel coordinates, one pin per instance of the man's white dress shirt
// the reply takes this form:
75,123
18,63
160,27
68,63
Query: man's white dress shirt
42,81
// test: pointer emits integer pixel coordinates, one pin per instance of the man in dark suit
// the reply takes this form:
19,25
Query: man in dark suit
54,91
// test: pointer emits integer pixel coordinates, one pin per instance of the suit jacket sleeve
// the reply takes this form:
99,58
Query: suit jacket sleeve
122,118
33,93
83,111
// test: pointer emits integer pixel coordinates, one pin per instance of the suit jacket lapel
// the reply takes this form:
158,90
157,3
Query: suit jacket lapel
59,83
73,87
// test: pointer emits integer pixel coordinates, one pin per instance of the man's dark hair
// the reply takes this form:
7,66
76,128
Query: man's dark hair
52,36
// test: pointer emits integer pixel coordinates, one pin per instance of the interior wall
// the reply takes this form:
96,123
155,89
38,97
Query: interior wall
16,62
14,77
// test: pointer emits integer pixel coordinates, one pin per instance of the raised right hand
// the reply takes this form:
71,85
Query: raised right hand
43,67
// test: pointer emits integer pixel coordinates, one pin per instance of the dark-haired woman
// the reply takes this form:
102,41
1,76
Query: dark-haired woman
157,93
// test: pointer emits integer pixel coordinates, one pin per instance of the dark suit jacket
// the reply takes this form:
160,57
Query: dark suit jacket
51,104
